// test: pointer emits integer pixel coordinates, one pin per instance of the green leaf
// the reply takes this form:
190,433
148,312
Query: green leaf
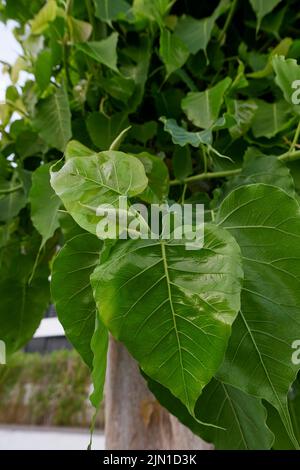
141,54
43,69
262,8
72,292
182,137
143,132
266,223
83,184
286,71
53,119
271,118
243,113
104,130
104,51
44,203
196,34
172,51
172,308
158,178
182,162
260,168
77,149
242,418
42,19
23,305
99,346
108,10
203,108
13,198
153,10
281,49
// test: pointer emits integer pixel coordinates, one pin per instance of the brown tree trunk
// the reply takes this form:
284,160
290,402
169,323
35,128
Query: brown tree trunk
134,419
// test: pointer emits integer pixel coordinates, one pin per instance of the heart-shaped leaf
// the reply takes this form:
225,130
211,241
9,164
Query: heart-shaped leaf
172,308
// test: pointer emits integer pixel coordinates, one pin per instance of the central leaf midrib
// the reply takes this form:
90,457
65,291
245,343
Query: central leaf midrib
166,269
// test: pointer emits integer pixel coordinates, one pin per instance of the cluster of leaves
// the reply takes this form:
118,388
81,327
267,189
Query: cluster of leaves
168,101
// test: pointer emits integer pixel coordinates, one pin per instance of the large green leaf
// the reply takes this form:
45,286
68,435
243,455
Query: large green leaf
271,118
262,8
173,51
104,51
53,119
44,203
23,304
240,419
266,223
85,183
196,34
72,293
172,308
203,108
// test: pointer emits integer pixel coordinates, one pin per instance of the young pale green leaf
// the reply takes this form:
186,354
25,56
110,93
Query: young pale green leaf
287,71
99,346
42,19
182,137
240,419
262,8
85,183
172,308
266,223
203,108
107,10
44,203
271,118
196,34
104,130
158,178
80,31
104,51
72,292
173,51
53,119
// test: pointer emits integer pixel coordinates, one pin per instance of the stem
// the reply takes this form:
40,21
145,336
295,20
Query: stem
285,157
228,21
205,176
290,155
296,138
11,190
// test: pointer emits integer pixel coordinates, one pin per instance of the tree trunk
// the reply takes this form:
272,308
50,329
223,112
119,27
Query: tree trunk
134,419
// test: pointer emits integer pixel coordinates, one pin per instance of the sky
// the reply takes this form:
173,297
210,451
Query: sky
10,49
